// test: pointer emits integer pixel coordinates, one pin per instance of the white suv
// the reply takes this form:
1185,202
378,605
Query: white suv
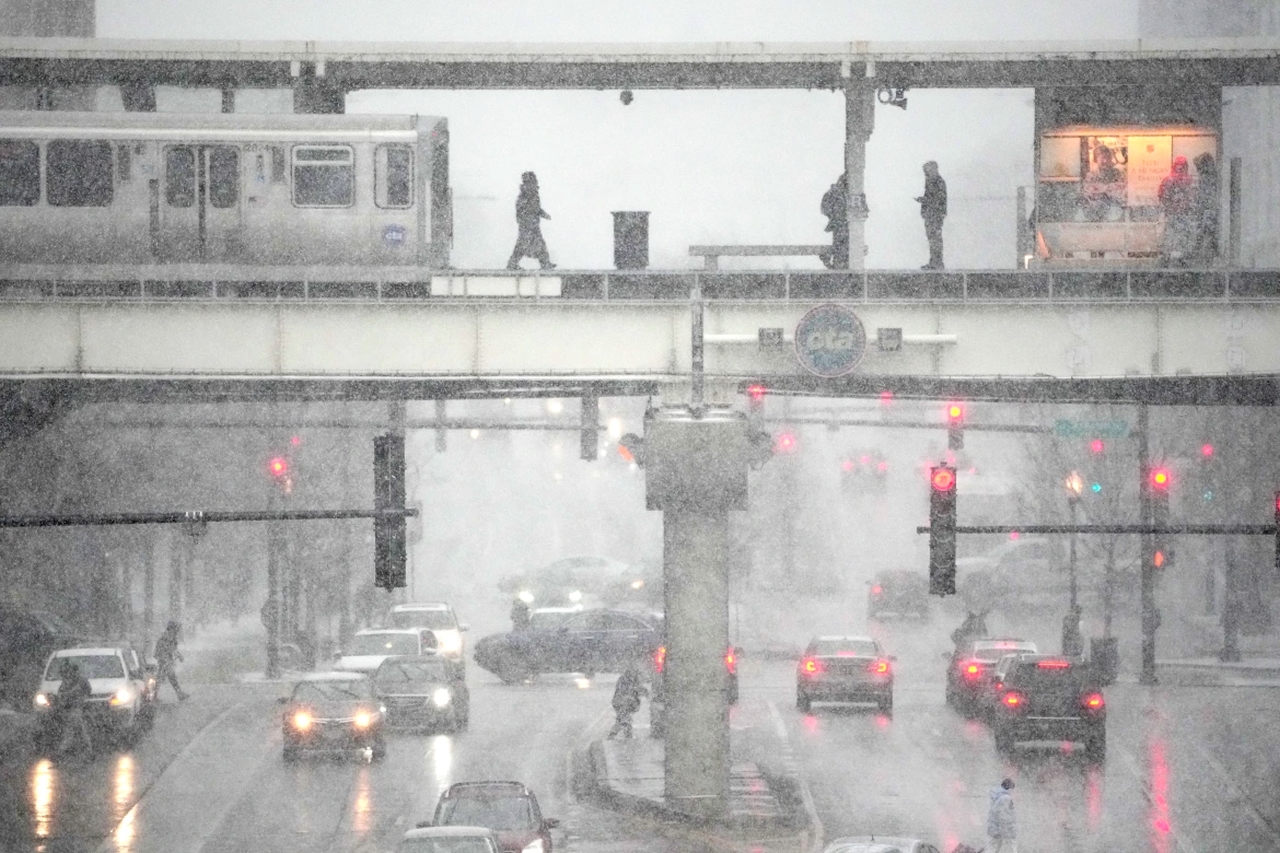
123,697
436,616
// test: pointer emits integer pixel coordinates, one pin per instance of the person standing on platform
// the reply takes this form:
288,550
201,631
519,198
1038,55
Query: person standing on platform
529,213
1206,205
1177,200
933,208
835,206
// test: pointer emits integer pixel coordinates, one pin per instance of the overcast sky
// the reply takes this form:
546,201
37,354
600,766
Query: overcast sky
711,167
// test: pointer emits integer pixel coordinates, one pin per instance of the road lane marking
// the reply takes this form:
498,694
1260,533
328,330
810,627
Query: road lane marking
793,767
1131,763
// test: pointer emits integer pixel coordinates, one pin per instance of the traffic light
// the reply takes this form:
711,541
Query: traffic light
1097,446
388,493
942,530
955,426
1158,482
755,397
281,473
631,448
784,442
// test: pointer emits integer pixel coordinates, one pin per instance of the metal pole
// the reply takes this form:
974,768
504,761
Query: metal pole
1231,607
1233,210
1150,616
698,352
272,607
175,576
1074,505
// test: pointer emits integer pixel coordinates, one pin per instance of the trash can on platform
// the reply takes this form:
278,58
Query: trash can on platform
1104,656
631,239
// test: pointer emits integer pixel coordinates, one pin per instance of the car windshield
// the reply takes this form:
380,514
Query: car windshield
546,620
383,644
496,813
91,666
851,648
445,845
393,673
332,691
436,620
992,652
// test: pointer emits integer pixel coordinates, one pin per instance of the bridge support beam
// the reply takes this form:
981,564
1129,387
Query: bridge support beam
859,121
696,471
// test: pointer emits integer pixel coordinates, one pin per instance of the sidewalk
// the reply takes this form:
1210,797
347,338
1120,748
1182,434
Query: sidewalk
766,813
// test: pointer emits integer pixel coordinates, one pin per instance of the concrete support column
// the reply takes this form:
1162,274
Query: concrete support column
859,121
695,472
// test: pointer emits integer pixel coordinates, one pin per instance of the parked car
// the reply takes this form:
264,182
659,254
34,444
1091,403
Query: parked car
436,616
844,669
879,844
332,712
508,808
1048,697
898,593
369,648
421,692
587,642
122,703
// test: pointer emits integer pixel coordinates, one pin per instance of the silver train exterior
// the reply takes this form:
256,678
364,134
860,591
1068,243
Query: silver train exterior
156,188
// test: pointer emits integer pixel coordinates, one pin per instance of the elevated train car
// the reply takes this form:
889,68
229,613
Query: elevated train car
147,188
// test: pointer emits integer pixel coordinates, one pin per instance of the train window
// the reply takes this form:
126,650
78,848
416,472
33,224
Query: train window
124,163
180,176
279,170
323,176
224,177
19,173
394,176
80,173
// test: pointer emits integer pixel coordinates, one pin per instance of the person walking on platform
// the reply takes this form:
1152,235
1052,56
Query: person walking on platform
529,213
933,207
167,655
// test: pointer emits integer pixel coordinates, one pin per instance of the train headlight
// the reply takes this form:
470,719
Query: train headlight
363,720
302,721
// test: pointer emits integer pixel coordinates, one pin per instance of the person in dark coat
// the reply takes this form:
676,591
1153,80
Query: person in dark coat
529,213
933,207
167,656
973,627
1177,200
519,616
835,206
626,699
73,694
1206,206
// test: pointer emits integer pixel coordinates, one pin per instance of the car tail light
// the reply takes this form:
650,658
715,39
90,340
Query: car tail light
879,667
1093,701
877,589
1012,699
971,669
811,666
731,662
659,659
1054,664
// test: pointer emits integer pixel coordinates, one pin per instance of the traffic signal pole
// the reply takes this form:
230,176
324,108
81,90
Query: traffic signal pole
1150,616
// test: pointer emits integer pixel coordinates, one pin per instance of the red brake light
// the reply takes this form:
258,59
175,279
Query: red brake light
972,669
877,589
1012,699
1094,701
1054,664
730,662
880,667
811,665
659,659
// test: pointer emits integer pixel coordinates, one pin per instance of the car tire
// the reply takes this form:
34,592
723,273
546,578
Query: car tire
289,754
513,674
461,722
1095,745
803,702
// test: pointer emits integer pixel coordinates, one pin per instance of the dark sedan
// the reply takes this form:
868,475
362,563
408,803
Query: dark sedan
422,692
587,642
898,593
335,712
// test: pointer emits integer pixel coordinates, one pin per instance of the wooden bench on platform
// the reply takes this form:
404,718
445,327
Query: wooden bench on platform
711,254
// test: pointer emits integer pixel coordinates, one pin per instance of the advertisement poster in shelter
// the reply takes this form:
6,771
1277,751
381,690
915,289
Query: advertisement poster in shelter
1149,159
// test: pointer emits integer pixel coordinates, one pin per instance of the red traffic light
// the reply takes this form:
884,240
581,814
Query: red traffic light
1161,479
756,392
278,466
784,442
942,479
955,412
1157,559
1097,446
1206,450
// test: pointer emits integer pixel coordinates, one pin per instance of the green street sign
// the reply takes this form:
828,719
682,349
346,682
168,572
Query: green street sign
1063,428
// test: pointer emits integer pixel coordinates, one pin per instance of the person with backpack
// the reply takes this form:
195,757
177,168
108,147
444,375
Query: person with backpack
626,700
835,206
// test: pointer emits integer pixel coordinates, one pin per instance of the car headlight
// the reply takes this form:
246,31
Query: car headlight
449,643
123,696
442,697
302,721
534,846
363,719
42,700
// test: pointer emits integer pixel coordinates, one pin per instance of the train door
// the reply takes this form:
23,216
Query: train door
199,208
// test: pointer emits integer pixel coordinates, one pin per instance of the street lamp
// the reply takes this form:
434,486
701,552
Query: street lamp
1071,640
